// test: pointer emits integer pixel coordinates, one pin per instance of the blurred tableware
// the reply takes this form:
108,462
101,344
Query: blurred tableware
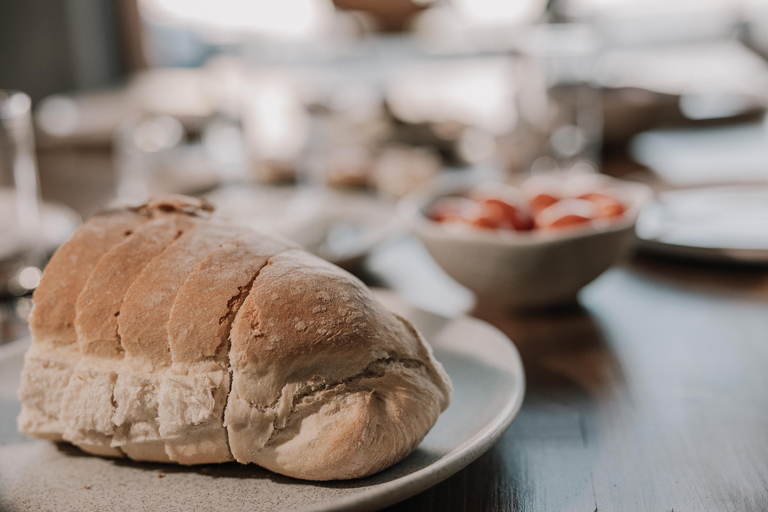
342,226
457,106
401,169
471,27
755,14
705,156
347,166
275,127
475,92
90,119
391,16
649,22
349,125
558,101
152,156
21,251
523,269
57,222
710,81
726,223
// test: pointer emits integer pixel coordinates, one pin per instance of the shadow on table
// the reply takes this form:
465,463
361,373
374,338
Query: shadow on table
564,351
227,470
417,460
748,280
544,460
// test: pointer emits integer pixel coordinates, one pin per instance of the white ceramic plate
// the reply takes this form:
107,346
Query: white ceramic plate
725,223
488,385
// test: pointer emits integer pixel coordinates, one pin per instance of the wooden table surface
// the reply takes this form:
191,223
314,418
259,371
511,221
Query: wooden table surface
651,395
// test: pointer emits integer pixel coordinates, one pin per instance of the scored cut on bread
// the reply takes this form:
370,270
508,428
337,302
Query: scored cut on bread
308,398
88,403
195,341
55,352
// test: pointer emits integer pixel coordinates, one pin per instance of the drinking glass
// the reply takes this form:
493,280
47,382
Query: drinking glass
21,253
147,151
559,106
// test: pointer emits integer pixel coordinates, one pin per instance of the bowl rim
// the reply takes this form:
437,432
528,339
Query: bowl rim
411,210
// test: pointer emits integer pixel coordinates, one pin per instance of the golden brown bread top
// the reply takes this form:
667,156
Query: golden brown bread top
68,271
315,357
236,345
100,301
143,320
207,302
53,319
308,317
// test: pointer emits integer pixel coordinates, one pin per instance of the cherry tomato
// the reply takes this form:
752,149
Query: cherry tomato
567,213
567,220
483,222
507,215
449,209
541,201
607,205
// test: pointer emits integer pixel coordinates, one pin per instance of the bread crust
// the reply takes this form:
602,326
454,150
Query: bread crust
190,340
99,304
143,328
198,330
314,356
88,402
54,353
52,320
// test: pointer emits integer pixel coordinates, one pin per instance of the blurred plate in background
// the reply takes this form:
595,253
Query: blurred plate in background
340,226
692,157
727,223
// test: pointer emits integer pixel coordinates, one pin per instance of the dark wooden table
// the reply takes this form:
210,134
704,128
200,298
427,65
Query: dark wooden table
651,395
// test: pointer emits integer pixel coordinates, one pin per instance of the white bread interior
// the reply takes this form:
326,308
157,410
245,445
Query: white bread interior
327,384
49,363
189,340
89,399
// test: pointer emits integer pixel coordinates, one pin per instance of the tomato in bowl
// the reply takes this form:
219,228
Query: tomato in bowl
549,238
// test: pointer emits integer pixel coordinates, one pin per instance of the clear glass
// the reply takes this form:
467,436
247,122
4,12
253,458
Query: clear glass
21,252
146,149
156,154
559,106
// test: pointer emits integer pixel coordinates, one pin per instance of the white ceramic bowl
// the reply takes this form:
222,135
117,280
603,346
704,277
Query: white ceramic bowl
523,269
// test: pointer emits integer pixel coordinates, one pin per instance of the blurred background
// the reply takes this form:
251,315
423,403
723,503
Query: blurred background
315,118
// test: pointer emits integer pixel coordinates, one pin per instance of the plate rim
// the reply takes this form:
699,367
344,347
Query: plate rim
706,253
405,487
399,489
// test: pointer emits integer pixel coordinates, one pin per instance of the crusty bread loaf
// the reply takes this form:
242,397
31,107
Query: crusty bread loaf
161,334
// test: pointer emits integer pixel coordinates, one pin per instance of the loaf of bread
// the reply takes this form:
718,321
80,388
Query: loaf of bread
162,334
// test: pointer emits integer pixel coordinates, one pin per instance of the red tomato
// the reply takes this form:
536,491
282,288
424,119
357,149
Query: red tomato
568,220
483,218
607,205
567,213
506,215
449,209
541,201
483,222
